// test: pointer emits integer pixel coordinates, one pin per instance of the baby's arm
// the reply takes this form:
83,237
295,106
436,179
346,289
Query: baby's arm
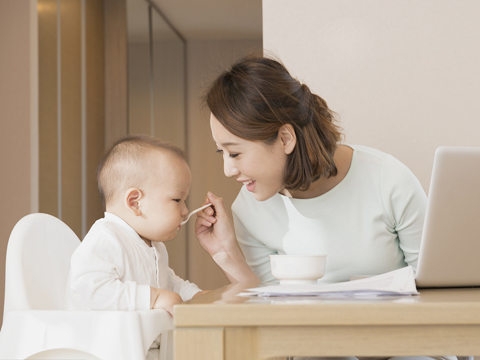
163,299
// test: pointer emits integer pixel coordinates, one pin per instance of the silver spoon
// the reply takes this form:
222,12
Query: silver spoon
194,212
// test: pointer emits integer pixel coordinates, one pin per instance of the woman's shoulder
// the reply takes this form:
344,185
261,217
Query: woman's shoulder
369,153
394,174
370,158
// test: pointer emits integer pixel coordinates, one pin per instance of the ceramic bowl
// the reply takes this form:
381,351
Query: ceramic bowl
298,269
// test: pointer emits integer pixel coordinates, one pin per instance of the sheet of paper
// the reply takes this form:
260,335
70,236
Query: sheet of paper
394,283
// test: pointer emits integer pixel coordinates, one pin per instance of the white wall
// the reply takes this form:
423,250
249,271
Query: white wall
403,75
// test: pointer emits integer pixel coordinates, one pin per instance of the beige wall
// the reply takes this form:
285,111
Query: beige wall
34,82
205,60
18,119
402,75
116,83
71,110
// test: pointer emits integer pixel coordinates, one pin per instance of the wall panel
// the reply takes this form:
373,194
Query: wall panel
116,109
48,107
30,100
95,119
71,108
18,119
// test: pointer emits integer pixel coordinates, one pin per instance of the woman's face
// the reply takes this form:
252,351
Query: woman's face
255,164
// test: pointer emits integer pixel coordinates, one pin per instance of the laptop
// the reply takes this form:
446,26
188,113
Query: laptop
450,247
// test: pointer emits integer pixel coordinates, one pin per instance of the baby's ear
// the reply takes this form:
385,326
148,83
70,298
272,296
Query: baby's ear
132,199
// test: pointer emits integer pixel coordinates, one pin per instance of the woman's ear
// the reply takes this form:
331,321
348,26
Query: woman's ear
288,138
132,200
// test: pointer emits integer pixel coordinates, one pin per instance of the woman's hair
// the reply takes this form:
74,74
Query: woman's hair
257,96
128,163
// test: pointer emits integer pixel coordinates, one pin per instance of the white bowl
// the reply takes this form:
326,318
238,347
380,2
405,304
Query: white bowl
298,269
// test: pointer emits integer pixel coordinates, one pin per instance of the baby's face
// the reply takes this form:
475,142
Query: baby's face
163,204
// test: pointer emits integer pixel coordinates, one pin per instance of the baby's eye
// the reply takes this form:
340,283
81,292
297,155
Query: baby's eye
177,200
219,151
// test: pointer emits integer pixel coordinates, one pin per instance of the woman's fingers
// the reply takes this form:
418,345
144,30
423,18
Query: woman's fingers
202,221
202,215
217,202
206,217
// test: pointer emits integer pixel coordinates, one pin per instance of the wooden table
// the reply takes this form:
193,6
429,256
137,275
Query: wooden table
220,325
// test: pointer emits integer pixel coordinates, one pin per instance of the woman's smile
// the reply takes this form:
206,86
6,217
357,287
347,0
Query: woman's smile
250,184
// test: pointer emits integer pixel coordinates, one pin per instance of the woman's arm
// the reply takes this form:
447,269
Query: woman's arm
215,233
406,203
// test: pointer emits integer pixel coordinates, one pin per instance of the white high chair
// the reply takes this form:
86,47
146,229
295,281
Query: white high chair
36,324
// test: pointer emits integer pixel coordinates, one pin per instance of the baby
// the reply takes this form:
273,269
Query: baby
122,264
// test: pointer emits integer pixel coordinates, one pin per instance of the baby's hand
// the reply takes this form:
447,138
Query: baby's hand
163,299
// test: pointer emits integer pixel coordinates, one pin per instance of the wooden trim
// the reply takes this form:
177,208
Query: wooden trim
116,84
199,344
236,338
382,341
48,164
95,84
433,307
71,147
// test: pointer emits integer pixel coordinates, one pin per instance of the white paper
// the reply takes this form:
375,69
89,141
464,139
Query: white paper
399,282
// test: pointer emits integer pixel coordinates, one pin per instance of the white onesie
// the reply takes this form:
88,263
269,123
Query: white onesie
113,269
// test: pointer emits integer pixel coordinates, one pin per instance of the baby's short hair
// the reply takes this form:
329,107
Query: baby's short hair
126,164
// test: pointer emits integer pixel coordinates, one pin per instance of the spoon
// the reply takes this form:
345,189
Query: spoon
194,212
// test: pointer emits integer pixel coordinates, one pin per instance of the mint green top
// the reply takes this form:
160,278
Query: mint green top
369,224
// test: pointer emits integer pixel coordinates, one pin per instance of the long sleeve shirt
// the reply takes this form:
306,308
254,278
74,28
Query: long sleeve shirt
113,269
370,223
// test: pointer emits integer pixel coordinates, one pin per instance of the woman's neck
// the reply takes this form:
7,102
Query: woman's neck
343,159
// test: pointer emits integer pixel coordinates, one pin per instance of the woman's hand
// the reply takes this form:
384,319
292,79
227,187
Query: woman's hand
215,233
200,293
213,228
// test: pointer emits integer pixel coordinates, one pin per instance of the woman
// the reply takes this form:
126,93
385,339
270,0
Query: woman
303,192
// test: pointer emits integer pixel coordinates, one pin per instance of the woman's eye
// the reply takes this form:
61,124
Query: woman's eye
177,200
231,155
